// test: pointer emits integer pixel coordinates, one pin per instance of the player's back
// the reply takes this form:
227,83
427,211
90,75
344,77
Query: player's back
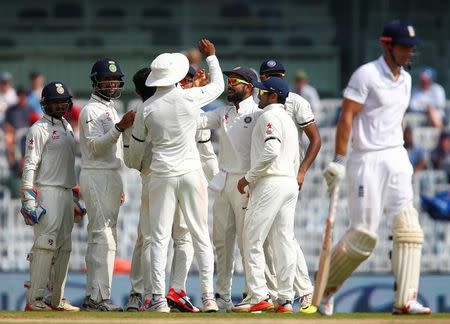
172,123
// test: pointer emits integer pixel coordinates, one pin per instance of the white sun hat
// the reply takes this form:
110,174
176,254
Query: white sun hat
167,69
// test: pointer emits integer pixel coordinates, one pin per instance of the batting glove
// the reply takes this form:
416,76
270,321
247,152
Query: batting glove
79,210
31,211
334,172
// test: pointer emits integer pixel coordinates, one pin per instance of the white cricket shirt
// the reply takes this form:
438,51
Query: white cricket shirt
274,148
170,118
378,125
50,154
235,132
100,142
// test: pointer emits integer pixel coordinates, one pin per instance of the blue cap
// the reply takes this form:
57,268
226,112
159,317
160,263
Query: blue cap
399,32
270,66
192,71
273,84
244,72
105,67
55,90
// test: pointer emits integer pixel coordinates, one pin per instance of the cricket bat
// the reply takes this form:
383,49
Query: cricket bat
325,253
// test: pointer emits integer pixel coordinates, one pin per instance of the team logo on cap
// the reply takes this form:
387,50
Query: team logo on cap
411,31
112,67
248,120
271,63
59,88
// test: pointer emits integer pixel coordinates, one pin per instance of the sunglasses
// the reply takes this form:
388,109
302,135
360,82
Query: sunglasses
235,81
266,76
263,92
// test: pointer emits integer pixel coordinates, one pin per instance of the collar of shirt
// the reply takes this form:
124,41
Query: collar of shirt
54,121
273,106
246,105
387,70
101,100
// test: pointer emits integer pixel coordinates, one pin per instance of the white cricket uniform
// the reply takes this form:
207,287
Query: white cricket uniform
170,118
50,166
235,131
183,249
101,187
301,113
378,168
271,207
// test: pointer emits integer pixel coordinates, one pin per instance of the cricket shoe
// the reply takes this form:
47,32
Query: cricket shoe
158,305
64,306
89,305
265,305
134,303
243,306
106,305
224,303
37,306
326,306
180,301
209,304
412,307
284,307
306,306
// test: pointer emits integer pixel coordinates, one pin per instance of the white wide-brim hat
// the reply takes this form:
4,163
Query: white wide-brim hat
167,69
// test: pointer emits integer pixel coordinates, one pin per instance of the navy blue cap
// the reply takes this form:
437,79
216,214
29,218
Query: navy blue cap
105,67
274,84
247,74
192,71
399,32
55,90
270,66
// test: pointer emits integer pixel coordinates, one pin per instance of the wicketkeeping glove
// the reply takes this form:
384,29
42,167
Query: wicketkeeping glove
31,211
334,172
79,211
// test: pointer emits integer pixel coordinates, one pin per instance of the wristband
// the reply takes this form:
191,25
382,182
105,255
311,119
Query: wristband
118,128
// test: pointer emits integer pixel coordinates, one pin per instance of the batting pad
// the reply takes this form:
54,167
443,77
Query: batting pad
58,274
406,254
354,247
39,273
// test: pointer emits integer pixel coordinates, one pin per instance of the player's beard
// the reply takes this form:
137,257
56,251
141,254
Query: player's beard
235,96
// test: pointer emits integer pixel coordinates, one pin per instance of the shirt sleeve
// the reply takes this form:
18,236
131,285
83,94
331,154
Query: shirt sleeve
137,141
207,155
357,89
35,143
201,96
97,140
270,132
211,119
303,113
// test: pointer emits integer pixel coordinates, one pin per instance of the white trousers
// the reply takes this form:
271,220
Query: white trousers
228,222
378,182
52,244
101,191
183,250
166,194
270,215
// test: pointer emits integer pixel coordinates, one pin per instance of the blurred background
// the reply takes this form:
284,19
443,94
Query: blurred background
320,42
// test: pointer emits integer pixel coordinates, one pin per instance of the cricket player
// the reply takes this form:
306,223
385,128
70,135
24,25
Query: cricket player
47,204
375,102
183,249
170,119
273,189
235,123
100,181
301,113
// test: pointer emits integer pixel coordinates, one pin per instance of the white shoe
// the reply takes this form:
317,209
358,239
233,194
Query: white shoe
65,306
412,307
157,305
209,304
224,303
326,307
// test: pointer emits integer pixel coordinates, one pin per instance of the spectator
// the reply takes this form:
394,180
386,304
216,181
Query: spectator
429,98
8,96
304,89
440,156
195,57
18,118
415,154
34,96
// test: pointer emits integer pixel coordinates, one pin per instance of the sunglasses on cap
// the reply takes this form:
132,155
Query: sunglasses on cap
263,92
265,76
235,81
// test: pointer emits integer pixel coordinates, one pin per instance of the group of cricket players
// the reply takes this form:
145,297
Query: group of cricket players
255,183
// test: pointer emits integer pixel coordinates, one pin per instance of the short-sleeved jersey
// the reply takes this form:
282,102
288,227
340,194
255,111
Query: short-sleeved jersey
100,142
235,132
378,125
50,154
